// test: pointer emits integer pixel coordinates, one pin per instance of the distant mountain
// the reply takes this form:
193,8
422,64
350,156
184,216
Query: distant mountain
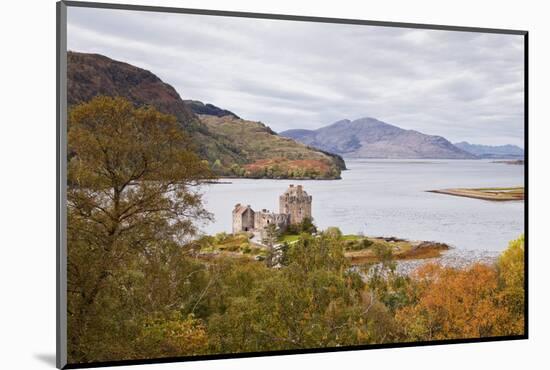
90,75
199,107
371,138
488,151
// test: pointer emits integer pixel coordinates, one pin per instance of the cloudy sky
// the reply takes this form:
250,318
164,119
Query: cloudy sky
287,74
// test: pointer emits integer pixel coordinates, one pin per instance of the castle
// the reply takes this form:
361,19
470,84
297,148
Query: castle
294,206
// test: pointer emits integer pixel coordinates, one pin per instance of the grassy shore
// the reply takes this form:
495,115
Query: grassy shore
496,194
358,249
228,245
401,249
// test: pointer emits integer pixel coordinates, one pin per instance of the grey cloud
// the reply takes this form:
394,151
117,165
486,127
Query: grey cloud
461,85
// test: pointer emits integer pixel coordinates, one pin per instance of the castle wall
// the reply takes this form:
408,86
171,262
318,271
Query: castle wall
248,220
264,218
237,223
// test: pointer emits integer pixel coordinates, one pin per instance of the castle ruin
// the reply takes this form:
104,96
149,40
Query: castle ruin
296,203
294,206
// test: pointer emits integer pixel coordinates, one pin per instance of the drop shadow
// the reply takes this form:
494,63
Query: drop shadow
47,358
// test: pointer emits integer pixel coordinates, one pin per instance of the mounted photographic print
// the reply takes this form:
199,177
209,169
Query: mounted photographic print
236,184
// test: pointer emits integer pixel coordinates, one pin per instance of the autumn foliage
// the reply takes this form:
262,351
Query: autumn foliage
479,301
135,289
450,303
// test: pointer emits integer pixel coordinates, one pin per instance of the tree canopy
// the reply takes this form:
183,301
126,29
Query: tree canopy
131,175
137,290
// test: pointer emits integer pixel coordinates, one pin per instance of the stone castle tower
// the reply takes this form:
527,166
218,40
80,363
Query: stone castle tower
295,202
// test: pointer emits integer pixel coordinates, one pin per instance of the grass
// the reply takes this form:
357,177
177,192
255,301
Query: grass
288,238
514,189
352,237
232,245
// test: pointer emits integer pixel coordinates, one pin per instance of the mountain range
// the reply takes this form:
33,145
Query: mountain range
497,152
370,138
226,141
238,147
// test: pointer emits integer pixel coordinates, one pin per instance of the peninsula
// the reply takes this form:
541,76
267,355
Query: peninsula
495,194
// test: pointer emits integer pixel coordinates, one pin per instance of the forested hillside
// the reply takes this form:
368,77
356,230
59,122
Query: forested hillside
270,155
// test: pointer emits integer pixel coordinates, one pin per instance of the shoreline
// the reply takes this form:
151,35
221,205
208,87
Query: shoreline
401,250
492,194
517,162
454,258
268,178
354,247
406,254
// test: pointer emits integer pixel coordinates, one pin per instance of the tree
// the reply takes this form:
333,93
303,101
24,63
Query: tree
237,170
305,226
511,275
333,232
217,165
385,283
131,175
450,303
269,235
269,238
313,302
172,336
312,253
308,226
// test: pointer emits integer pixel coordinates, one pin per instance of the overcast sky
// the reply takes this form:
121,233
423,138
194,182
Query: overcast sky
460,85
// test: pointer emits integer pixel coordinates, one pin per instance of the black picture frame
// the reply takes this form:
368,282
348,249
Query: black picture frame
61,176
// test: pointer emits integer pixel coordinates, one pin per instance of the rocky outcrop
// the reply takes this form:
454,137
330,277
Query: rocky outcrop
199,107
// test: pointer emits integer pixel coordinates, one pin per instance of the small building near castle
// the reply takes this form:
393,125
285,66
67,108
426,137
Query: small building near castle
294,206
243,218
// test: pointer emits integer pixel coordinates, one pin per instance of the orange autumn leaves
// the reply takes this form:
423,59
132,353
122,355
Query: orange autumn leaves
479,301
136,289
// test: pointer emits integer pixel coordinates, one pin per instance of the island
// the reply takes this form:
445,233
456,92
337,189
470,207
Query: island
264,235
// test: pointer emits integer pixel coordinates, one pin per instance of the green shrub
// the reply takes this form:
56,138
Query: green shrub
333,232
245,248
221,237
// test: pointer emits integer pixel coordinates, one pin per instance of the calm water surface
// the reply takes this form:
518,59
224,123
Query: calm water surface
389,198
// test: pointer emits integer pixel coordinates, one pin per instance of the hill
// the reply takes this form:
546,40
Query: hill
89,75
270,155
371,138
487,151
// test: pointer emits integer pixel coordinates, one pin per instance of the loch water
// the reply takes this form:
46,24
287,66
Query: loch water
389,198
